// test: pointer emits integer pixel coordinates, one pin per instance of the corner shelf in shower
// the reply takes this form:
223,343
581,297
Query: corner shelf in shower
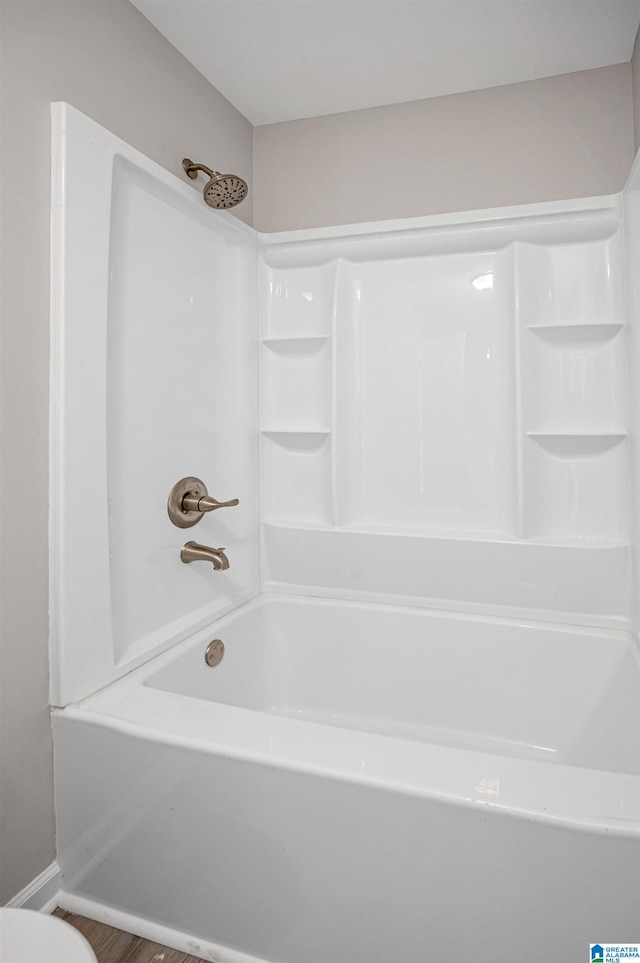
304,343
577,444
296,438
576,334
592,543
299,524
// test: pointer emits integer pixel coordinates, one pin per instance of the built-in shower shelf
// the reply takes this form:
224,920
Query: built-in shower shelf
305,440
592,542
576,334
294,345
299,524
579,444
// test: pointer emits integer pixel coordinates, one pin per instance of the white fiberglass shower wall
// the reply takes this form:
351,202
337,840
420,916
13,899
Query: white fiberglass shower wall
154,378
444,410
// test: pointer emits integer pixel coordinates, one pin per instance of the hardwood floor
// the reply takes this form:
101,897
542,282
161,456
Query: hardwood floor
116,946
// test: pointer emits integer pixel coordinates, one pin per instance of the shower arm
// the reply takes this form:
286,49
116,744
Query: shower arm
221,190
191,170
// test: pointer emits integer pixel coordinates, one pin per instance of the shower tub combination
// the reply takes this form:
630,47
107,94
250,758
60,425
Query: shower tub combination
347,774
420,744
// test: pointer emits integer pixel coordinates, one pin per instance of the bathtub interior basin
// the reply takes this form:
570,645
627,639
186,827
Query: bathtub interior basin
562,694
366,765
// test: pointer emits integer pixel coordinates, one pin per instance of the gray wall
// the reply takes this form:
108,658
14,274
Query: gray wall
567,136
103,57
635,78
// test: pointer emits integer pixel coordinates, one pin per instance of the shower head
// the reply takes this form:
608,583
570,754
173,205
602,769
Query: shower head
222,190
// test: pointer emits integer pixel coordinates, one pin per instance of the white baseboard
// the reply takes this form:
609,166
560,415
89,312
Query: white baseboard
156,932
41,893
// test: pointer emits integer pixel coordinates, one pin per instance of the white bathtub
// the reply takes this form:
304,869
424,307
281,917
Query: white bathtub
362,784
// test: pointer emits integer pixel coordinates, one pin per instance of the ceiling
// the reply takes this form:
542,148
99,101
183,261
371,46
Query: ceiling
279,60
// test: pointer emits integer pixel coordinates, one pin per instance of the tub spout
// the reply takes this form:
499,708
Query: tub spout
193,552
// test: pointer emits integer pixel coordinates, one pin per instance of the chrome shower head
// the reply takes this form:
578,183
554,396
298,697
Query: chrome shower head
222,190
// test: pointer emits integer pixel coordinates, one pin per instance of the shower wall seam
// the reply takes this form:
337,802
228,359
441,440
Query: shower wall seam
518,386
260,376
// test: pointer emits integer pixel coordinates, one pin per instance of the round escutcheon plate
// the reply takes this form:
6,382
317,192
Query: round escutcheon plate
214,653
186,486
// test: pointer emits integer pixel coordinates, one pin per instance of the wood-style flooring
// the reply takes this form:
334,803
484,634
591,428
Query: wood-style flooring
116,946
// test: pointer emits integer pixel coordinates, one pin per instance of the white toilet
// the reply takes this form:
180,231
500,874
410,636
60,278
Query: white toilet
30,937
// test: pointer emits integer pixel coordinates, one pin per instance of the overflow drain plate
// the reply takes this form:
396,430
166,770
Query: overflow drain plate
214,653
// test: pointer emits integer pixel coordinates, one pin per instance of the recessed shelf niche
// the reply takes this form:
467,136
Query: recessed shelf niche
296,382
568,284
574,378
575,486
582,444
574,335
296,471
573,391
299,302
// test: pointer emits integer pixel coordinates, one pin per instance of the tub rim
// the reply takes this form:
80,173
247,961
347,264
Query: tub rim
591,800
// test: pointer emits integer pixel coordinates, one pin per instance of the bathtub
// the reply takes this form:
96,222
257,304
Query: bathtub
357,783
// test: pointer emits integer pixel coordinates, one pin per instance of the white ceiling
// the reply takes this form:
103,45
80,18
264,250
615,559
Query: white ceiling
279,60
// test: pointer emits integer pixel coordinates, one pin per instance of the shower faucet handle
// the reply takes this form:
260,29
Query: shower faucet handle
189,500
205,503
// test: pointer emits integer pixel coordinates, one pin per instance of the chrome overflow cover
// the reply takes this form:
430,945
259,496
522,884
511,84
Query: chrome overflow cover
214,653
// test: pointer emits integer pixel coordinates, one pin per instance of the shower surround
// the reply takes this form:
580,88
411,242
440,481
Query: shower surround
436,755
444,410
